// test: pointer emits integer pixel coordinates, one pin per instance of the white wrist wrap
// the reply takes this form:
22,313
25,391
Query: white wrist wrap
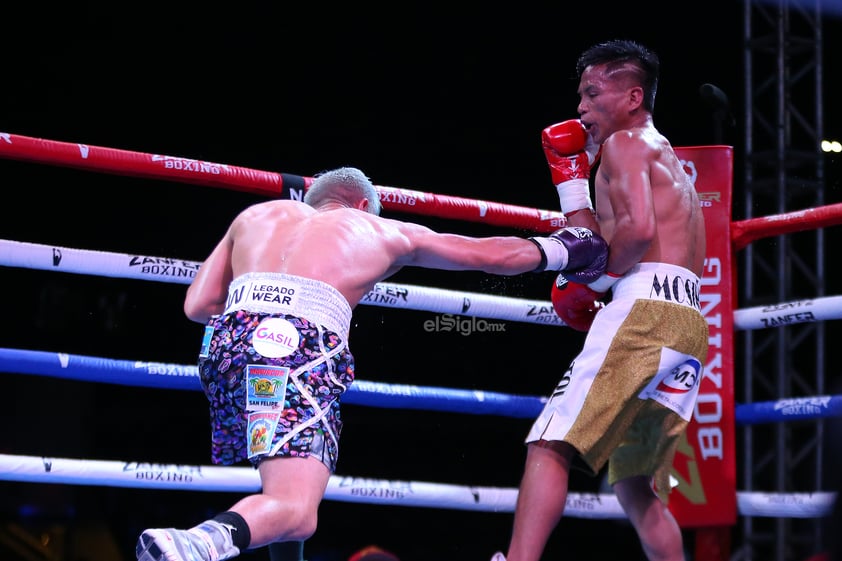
603,283
574,194
553,254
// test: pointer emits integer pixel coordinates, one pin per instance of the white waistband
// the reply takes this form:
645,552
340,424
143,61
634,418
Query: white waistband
289,294
659,281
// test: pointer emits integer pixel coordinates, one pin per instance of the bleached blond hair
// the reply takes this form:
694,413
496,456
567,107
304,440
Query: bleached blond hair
346,185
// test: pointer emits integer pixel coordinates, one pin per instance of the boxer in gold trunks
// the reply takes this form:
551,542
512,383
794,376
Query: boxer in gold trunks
276,296
627,397
629,394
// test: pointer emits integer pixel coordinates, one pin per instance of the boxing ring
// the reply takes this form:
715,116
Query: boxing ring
477,310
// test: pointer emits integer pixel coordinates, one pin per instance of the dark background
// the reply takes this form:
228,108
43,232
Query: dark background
448,99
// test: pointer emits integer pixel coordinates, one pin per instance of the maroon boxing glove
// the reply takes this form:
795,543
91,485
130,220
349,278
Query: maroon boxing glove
580,252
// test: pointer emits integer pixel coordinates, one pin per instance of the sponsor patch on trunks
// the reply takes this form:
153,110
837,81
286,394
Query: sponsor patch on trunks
275,338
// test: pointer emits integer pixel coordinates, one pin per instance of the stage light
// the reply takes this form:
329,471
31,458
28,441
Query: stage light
831,146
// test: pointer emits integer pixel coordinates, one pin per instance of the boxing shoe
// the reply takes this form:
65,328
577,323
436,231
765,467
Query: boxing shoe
498,557
209,541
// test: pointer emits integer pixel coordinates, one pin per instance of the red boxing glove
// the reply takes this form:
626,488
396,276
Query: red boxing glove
564,147
570,153
575,303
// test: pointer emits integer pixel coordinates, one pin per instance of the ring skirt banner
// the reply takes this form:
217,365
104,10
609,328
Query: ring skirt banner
705,465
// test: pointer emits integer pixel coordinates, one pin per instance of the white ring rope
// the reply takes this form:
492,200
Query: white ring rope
410,297
166,269
32,469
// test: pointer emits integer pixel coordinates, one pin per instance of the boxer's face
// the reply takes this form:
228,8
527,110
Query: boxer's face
607,100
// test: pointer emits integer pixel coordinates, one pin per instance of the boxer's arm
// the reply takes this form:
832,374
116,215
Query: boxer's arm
576,249
208,292
626,161
498,255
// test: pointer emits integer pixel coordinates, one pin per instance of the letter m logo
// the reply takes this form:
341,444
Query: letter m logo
658,287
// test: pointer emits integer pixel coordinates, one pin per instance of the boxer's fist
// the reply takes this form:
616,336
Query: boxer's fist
587,253
575,303
570,153
579,251
569,150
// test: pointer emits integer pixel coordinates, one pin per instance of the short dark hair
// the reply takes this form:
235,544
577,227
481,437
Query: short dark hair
618,52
